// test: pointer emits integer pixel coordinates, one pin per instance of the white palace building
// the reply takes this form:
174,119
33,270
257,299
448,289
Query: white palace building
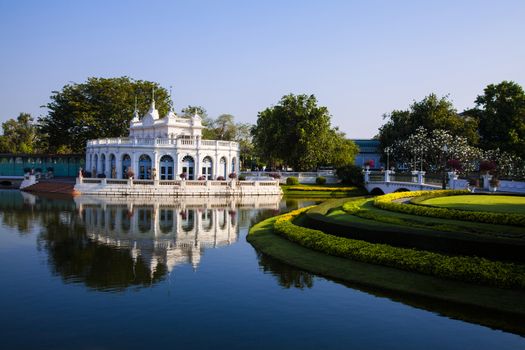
163,148
158,151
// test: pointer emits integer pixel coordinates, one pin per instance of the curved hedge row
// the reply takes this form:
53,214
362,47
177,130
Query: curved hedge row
463,268
386,202
324,188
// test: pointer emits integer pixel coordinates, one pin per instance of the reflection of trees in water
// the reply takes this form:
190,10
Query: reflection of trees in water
287,276
78,259
70,253
18,213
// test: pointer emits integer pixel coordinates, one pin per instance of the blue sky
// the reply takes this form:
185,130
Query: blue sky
360,58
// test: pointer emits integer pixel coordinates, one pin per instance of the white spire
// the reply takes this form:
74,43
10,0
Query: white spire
153,112
135,112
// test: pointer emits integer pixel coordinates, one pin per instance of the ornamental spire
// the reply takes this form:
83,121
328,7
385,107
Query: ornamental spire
135,112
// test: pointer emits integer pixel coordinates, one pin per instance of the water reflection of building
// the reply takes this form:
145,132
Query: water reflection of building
166,232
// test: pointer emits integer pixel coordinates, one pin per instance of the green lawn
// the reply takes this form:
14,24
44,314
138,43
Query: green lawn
492,203
379,219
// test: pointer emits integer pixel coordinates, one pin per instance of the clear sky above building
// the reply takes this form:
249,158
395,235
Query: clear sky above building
360,58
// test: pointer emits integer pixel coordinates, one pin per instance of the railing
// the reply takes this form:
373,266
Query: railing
116,181
134,142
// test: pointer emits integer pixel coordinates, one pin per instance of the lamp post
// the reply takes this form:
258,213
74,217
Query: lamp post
387,150
445,150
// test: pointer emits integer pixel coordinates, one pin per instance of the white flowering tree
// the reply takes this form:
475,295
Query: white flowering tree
432,150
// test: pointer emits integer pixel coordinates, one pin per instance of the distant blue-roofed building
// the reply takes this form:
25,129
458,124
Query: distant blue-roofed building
368,150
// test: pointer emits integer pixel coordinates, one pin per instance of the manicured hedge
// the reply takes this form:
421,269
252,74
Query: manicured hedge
320,180
292,180
323,188
387,202
463,268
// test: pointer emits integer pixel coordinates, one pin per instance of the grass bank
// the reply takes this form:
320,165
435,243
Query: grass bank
500,308
323,191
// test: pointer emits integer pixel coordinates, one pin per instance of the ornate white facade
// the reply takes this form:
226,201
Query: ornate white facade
162,149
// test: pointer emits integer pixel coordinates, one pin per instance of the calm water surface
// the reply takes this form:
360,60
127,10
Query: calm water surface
91,273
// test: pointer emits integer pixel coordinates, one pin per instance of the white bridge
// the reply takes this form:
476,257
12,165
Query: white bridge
388,182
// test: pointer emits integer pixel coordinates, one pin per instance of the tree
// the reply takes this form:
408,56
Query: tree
296,132
430,113
501,114
19,135
97,108
243,135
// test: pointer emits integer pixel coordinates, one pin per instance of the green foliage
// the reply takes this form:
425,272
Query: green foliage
297,133
292,180
19,136
320,180
464,268
351,175
242,177
387,202
99,107
501,114
430,113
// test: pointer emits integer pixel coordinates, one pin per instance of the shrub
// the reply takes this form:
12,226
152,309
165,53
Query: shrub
183,176
292,180
494,182
86,173
50,169
220,178
201,178
320,180
232,176
464,268
101,176
27,170
351,174
275,175
130,173
242,177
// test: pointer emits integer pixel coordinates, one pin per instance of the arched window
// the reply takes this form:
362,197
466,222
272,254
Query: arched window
222,168
126,165
144,167
233,164
188,167
113,166
207,166
102,163
166,168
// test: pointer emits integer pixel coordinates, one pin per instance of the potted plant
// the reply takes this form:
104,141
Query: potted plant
232,176
130,173
494,184
183,176
473,183
220,178
201,178
369,164
487,166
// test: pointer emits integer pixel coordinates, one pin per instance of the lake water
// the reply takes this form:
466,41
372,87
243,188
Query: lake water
92,273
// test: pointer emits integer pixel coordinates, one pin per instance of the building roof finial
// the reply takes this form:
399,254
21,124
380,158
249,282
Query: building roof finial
171,100
135,112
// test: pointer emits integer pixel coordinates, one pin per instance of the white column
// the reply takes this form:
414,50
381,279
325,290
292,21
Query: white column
118,165
155,164
135,164
107,166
